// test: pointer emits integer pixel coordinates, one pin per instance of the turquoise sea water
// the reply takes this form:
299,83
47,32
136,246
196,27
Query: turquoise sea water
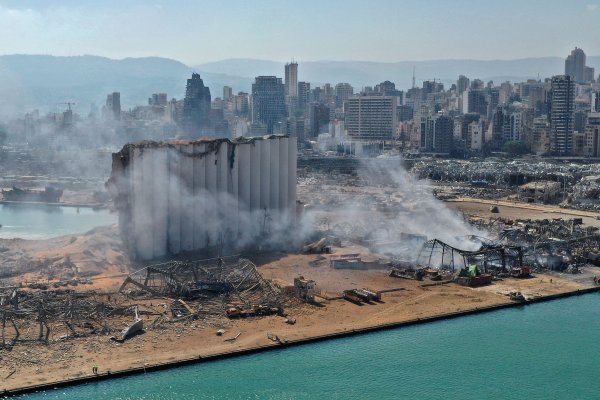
45,221
543,351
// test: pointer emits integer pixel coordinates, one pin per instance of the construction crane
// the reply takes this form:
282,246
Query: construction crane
69,104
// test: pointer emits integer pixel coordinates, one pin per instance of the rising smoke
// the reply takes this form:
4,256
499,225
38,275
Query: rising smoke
393,207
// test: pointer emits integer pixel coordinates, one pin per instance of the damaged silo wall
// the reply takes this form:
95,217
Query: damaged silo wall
183,196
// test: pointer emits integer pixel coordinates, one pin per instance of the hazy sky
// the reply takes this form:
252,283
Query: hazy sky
380,30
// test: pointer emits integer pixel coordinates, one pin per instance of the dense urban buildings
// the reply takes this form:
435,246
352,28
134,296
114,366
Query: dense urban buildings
460,117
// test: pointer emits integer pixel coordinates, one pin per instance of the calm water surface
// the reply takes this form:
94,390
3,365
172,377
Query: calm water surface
543,351
45,221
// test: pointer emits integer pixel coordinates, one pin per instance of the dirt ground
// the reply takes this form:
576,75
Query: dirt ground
99,256
33,363
481,208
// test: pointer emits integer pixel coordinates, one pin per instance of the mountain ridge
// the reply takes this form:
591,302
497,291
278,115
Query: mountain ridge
44,81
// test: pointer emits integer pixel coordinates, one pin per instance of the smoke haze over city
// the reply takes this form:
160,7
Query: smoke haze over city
390,31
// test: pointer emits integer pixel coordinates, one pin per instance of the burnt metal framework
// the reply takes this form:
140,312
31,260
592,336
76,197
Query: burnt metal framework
223,280
488,259
48,308
576,248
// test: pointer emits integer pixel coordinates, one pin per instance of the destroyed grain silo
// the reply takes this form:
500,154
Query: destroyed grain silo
183,196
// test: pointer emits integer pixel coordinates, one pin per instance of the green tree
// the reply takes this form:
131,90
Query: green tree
514,148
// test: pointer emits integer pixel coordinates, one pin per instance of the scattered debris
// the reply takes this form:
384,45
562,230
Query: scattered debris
232,339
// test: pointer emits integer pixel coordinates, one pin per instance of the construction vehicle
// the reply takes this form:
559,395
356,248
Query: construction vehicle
523,272
471,277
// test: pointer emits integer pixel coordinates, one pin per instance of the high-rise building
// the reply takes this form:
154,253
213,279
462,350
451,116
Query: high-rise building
291,79
512,126
540,135
343,91
562,112
477,102
579,121
588,74
328,95
592,135
461,127
475,132
405,113
268,101
493,100
196,106
227,93
158,99
462,84
318,117
596,101
113,105
303,95
575,65
241,104
477,84
438,134
371,117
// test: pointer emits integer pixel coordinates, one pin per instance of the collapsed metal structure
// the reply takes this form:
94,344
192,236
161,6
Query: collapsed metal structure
211,284
489,258
544,244
184,289
65,311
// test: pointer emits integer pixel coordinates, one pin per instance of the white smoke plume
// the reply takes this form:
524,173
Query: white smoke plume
394,212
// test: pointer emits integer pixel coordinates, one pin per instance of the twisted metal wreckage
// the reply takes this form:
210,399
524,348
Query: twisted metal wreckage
192,289
66,311
555,245
212,283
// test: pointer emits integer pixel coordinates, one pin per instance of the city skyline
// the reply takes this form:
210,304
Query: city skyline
386,31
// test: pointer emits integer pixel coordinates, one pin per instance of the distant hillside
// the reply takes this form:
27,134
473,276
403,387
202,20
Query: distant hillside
366,73
28,82
36,81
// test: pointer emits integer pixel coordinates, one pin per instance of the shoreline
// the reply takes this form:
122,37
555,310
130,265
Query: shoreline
290,343
94,206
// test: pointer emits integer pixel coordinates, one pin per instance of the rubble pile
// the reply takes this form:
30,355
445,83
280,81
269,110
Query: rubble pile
167,293
495,179
44,315
207,286
550,244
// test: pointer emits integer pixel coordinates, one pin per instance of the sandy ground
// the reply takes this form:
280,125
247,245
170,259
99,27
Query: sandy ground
481,208
99,255
35,363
